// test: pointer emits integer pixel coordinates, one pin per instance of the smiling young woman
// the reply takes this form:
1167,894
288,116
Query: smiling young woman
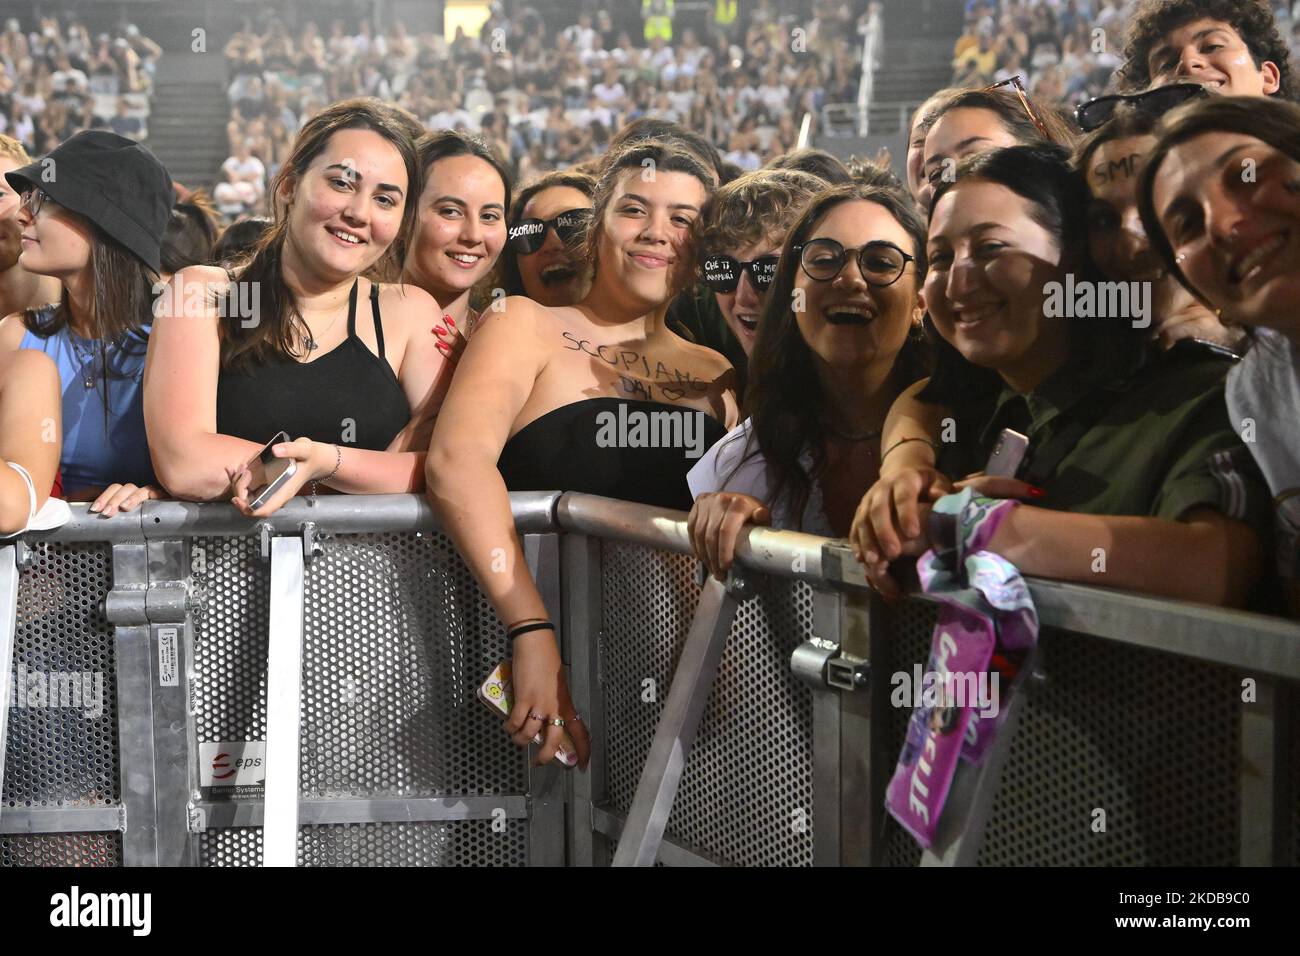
1234,241
1111,161
839,340
344,365
534,384
548,223
460,225
1130,447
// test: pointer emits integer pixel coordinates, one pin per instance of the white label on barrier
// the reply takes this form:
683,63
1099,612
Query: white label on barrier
232,763
168,664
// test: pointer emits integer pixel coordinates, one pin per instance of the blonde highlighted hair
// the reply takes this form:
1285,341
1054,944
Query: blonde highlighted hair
12,149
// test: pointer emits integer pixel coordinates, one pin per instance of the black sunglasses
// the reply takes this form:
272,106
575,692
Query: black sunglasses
1096,113
722,273
528,235
881,263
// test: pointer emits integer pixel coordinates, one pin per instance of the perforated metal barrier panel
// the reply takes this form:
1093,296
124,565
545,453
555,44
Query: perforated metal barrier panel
398,638
746,794
61,849
458,843
1143,744
1122,756
62,748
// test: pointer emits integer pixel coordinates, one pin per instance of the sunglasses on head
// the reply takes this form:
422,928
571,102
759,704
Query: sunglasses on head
722,273
528,235
1018,85
1096,113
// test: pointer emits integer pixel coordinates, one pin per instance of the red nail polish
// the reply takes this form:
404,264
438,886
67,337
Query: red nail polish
450,321
443,348
439,331
1035,492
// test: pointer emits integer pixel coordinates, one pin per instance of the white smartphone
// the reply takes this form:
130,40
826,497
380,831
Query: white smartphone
1007,455
268,473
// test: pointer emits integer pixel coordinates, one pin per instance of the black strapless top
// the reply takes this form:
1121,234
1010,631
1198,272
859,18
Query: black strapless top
606,446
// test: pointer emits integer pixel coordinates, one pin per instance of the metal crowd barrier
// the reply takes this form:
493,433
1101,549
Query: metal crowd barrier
161,666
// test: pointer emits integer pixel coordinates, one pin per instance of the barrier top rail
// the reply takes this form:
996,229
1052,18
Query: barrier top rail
1254,643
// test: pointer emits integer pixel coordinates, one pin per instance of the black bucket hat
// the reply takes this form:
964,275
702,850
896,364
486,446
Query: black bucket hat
114,182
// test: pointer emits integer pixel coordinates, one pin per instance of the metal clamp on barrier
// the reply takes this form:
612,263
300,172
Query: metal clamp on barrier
312,547
820,664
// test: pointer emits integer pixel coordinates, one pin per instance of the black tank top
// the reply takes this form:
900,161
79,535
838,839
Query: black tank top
570,449
347,396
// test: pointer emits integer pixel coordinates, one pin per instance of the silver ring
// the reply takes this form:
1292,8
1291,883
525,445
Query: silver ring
534,715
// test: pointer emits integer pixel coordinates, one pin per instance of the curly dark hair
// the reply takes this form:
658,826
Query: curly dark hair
1252,19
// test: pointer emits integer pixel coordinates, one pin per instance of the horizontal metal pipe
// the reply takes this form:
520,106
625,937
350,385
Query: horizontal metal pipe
85,526
319,812
1232,638
787,554
337,514
1255,643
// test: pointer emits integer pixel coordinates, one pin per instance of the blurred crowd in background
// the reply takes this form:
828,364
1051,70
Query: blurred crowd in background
58,80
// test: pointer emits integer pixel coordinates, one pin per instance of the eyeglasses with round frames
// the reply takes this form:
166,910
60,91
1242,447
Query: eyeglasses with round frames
880,262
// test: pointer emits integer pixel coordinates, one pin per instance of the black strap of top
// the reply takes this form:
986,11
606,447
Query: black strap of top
352,310
374,313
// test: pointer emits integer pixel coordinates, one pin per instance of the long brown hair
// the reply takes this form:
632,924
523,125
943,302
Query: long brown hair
784,398
281,326
121,309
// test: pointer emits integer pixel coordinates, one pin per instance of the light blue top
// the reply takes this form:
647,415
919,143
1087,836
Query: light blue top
97,453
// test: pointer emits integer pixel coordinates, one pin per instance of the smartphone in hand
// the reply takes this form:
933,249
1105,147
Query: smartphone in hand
497,694
1007,455
267,473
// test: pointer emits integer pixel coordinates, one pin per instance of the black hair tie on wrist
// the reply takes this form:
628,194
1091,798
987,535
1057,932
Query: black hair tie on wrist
525,628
